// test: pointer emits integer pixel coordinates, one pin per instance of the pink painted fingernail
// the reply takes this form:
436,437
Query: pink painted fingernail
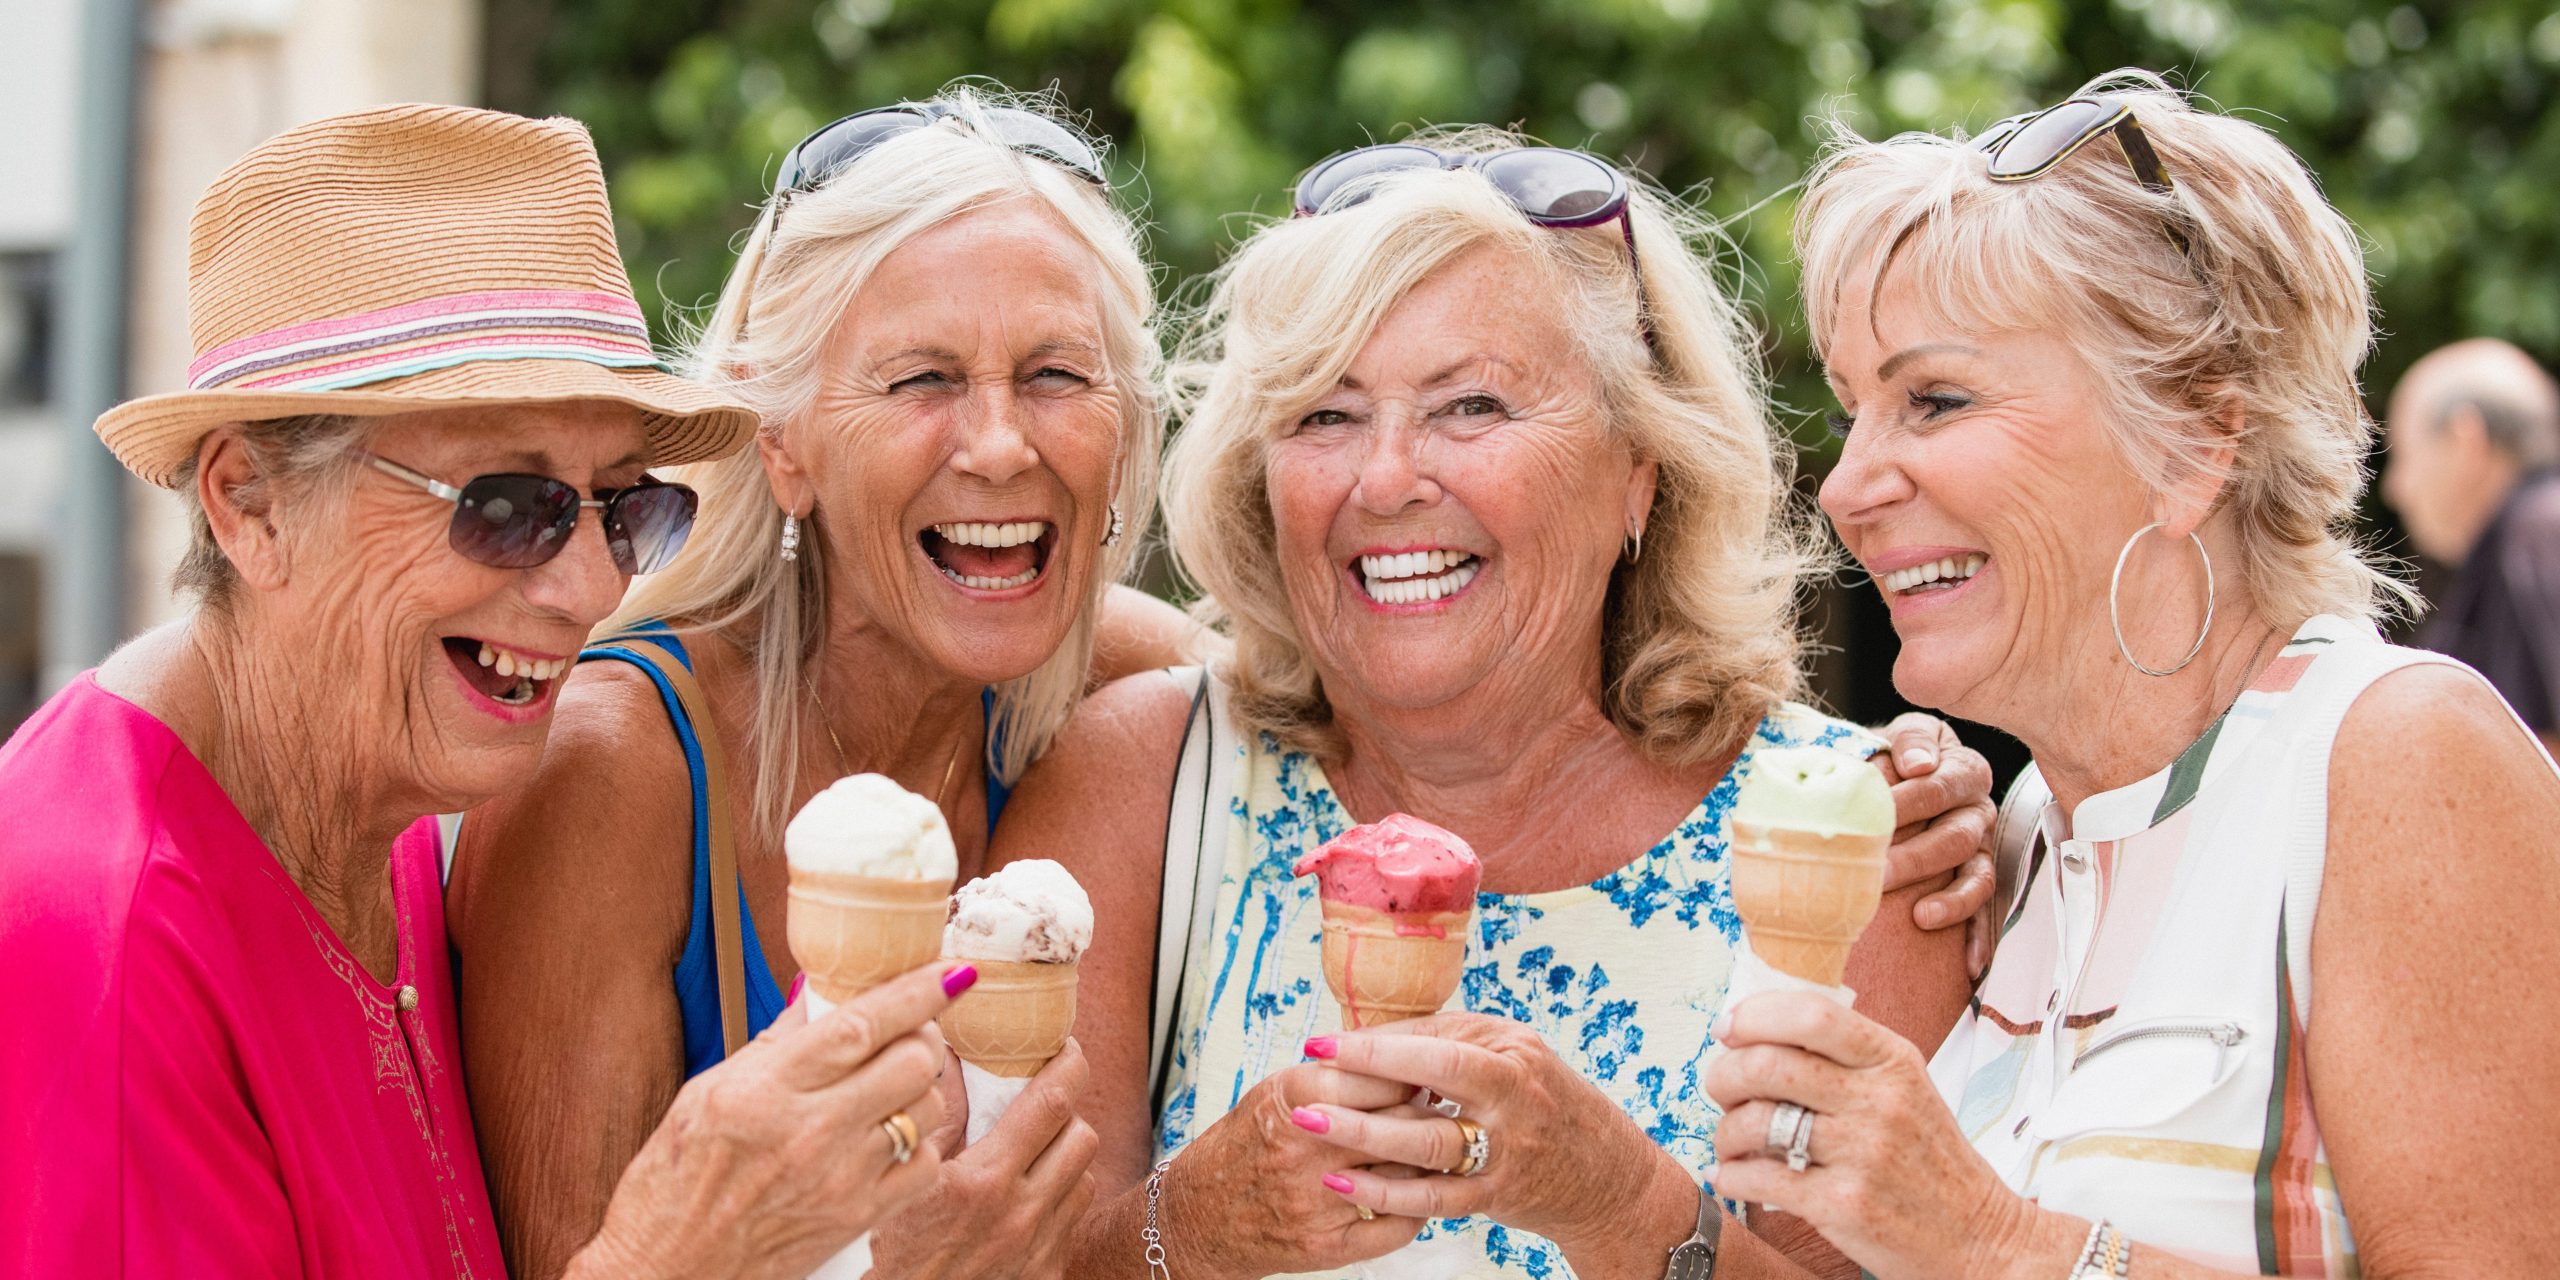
1311,1121
798,985
1337,1184
959,980
1320,1047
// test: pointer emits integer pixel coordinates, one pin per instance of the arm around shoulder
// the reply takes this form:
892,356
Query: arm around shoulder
570,902
2432,954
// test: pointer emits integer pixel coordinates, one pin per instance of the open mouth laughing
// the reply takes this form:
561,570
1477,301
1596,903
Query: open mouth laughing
1417,577
990,556
1946,573
511,678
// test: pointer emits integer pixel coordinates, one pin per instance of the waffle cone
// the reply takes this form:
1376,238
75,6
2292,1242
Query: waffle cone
1805,896
1015,1019
852,933
1382,970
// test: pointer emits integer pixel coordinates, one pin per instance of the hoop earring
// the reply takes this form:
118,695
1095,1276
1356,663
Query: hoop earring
1112,539
1635,543
790,537
2115,614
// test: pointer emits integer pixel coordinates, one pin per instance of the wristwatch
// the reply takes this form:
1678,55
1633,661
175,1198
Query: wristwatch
1695,1257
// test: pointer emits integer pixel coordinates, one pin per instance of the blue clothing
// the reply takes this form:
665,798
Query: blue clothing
697,975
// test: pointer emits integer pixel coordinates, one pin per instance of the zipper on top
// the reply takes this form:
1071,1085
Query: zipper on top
2223,1035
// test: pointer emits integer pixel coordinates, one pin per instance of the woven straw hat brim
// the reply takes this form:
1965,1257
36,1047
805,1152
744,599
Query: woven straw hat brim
156,436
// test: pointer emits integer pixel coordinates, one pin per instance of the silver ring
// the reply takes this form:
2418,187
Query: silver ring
1800,1151
1782,1128
1440,1102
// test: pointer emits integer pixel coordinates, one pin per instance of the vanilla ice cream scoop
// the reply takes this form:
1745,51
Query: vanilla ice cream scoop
1815,789
1031,911
867,825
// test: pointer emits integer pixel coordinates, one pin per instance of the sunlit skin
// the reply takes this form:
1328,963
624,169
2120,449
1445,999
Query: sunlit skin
969,381
1992,444
328,704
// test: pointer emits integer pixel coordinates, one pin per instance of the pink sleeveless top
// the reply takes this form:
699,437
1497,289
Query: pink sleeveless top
196,1077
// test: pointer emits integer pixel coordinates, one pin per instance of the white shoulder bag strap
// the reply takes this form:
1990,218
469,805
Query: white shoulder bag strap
2013,839
1195,855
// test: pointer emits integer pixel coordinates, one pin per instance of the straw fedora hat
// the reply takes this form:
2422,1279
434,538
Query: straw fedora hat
407,258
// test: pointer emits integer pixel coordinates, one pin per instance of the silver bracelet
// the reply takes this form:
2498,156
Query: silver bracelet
2105,1255
1155,1239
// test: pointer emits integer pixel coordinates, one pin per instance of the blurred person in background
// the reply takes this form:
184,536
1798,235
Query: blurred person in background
2474,435
417,434
944,326
2274,997
1494,510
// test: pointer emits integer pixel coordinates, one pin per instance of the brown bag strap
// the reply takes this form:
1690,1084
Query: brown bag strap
728,955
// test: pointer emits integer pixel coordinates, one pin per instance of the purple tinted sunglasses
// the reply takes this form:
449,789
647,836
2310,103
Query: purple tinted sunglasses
1551,186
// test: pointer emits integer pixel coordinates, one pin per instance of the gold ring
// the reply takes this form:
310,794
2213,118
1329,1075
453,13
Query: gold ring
903,1136
1478,1149
1366,1213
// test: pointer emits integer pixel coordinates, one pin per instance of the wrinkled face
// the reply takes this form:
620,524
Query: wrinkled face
447,669
1978,486
961,450
1452,510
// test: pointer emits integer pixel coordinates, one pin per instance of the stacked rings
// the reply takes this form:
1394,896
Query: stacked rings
904,1137
1791,1135
1479,1147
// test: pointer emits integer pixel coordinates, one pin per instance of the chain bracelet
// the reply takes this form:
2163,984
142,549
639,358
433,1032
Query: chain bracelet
1155,1239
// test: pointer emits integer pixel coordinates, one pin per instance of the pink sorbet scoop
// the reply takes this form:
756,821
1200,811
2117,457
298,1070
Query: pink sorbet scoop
1397,864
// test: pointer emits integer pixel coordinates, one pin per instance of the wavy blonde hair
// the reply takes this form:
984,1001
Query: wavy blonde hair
1699,638
765,341
2268,313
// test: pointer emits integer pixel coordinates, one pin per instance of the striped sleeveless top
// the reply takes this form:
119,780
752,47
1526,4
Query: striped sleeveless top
1620,976
2137,1051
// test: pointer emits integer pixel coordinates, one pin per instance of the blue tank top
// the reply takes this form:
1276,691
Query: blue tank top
697,977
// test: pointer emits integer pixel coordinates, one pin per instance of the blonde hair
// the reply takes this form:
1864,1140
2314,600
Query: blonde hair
2267,313
1699,637
765,342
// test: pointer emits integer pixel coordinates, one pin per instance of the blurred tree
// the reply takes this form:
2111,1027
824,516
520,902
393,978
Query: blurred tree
2433,125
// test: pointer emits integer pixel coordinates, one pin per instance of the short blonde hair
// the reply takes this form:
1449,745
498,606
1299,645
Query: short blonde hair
2268,312
1699,638
765,342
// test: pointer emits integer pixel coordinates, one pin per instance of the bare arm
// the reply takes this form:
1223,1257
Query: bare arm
1096,802
1138,633
570,901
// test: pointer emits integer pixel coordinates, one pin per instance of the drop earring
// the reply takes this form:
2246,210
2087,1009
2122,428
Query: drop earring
790,537
1112,539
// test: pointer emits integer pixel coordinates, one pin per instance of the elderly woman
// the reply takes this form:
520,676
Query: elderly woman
2272,999
1500,533
416,432
943,324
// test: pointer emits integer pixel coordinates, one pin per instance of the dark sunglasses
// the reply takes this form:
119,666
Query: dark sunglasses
518,521
1551,187
2023,148
825,153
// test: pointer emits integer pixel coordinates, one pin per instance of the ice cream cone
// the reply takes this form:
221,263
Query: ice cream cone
1386,966
1805,895
1016,1018
850,933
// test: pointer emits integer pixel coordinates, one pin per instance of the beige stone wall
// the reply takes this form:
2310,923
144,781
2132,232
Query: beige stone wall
217,77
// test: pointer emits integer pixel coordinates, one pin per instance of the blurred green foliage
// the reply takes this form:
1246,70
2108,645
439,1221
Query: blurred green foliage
2433,125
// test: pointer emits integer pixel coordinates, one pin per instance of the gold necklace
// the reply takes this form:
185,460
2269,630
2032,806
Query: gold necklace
844,767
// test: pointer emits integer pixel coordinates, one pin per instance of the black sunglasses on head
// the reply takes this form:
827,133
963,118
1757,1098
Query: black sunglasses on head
825,153
511,521
1551,186
2025,147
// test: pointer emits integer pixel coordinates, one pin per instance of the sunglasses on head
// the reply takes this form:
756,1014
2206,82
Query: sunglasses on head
1551,186
510,521
826,153
2025,147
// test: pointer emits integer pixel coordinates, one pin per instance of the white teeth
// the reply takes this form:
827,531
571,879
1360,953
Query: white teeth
979,534
514,666
1393,580
487,655
984,583
506,664
1944,569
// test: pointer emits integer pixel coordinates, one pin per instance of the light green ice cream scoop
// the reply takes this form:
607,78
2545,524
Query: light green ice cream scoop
1815,789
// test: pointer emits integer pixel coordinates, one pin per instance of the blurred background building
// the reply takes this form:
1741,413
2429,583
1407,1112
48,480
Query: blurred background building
2433,125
